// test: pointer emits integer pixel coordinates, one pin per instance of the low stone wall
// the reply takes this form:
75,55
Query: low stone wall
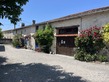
5,41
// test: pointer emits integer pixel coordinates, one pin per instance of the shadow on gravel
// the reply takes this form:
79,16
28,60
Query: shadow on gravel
35,73
2,48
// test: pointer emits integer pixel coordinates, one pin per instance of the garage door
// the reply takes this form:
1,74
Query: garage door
65,45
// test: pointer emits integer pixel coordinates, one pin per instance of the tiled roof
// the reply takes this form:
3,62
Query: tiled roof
89,12
77,15
7,30
19,28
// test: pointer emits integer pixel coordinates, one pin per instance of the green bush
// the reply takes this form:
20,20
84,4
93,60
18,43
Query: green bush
44,38
105,34
80,56
88,43
102,58
94,57
88,57
17,40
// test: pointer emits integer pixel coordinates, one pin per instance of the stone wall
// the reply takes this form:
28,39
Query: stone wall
98,19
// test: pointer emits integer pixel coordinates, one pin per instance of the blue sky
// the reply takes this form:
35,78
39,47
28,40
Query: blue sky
43,10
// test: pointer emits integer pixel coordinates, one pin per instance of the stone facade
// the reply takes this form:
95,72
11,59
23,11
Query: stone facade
8,34
25,31
98,19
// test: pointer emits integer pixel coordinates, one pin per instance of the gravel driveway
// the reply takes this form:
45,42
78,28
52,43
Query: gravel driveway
23,65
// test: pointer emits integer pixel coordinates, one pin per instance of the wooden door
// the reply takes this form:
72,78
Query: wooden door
65,45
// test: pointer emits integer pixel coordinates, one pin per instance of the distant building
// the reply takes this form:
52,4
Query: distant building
68,27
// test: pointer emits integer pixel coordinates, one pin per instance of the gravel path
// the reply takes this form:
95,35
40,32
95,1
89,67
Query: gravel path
22,65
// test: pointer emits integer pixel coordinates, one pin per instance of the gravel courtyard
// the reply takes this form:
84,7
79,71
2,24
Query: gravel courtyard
23,65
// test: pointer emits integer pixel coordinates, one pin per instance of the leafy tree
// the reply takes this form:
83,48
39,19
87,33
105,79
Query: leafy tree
1,34
11,9
44,37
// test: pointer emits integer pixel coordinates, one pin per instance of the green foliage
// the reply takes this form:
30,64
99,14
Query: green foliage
44,38
88,57
102,58
11,9
106,33
1,34
94,57
88,43
80,56
17,40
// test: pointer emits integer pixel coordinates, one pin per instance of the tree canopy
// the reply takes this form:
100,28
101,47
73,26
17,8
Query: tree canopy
11,9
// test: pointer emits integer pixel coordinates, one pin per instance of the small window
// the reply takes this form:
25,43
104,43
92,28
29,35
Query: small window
68,30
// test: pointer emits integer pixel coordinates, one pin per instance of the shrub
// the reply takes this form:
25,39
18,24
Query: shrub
44,38
94,57
102,58
88,43
106,34
17,41
88,57
90,40
80,56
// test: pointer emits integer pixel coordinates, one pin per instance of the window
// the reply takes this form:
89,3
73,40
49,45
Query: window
68,30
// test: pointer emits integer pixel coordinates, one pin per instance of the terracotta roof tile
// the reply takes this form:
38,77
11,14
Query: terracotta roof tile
89,12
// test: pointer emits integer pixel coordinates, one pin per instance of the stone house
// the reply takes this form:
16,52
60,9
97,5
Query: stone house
68,27
8,34
26,31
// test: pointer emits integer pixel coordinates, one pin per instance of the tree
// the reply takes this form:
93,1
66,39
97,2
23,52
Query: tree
45,37
1,34
11,9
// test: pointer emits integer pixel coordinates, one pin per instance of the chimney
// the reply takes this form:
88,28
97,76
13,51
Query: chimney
23,24
34,22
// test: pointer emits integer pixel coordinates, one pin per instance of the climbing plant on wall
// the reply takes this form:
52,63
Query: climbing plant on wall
44,37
